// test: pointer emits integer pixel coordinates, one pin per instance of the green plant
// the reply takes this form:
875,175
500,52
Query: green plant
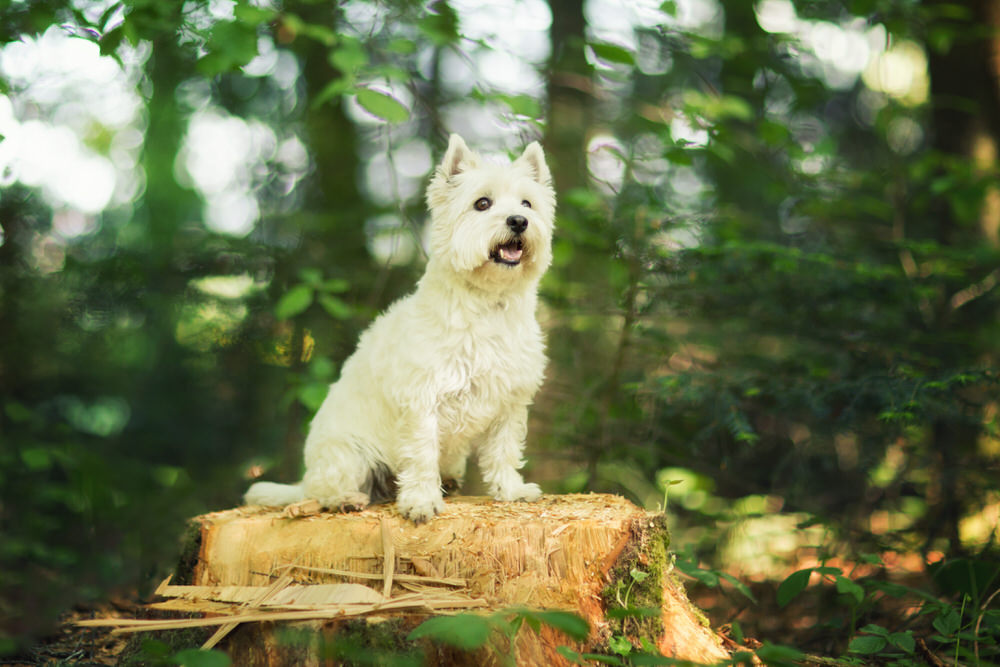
160,654
953,623
498,630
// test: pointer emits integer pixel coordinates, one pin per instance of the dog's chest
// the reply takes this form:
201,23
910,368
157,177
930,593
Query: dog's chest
483,373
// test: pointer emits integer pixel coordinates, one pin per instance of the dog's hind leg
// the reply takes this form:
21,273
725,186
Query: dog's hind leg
500,457
337,474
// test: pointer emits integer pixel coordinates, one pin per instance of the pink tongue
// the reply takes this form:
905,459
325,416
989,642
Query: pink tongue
511,254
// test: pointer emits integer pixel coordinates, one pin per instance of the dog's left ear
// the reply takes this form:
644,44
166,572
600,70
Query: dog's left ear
534,158
457,158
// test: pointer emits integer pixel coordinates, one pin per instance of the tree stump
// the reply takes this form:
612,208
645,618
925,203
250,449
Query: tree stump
586,554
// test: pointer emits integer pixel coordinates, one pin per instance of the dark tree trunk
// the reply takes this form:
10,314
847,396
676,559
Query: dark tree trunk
570,95
965,98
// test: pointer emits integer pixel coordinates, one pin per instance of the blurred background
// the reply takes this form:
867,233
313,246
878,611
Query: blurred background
773,309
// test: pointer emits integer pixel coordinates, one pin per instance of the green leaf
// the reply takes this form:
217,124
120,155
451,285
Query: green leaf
17,412
334,89
230,45
691,569
167,476
336,307
36,458
311,395
848,587
154,650
867,645
620,645
638,575
737,631
780,656
572,656
569,624
464,631
793,585
196,657
522,105
739,585
651,656
335,285
383,105
251,15
294,301
612,53
349,57
322,368
311,276
402,46
587,658
904,640
948,622
873,629
440,25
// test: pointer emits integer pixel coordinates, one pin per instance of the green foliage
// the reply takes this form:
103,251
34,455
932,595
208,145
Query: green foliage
469,632
313,288
464,631
714,578
383,105
230,45
776,655
157,653
201,658
781,283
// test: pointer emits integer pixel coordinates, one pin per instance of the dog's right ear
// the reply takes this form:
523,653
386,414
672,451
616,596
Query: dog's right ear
457,158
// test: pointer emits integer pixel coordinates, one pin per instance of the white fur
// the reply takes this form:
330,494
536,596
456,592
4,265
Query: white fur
450,369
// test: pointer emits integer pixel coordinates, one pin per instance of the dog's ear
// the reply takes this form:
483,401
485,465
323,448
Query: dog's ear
534,158
457,158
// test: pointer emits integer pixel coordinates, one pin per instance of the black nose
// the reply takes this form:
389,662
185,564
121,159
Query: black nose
517,223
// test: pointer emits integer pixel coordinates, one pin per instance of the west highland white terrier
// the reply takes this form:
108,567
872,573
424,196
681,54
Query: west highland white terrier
450,369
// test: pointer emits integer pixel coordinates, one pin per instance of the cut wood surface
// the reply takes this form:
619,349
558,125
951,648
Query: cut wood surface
575,553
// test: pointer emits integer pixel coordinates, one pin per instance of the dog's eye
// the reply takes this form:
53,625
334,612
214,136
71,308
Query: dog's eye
526,203
483,203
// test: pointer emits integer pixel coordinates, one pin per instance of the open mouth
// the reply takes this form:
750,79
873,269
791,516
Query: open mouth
508,253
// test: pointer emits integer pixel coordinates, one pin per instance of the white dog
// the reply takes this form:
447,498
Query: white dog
451,368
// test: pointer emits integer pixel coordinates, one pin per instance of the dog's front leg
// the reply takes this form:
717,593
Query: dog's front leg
500,457
419,479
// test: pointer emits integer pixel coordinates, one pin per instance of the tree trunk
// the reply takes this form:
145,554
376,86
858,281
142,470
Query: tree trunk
965,94
570,96
586,554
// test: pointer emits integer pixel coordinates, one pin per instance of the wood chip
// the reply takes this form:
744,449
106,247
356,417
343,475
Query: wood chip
415,578
388,557
316,613
303,508
424,567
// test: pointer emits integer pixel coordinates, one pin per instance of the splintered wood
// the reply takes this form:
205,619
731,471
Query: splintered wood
562,552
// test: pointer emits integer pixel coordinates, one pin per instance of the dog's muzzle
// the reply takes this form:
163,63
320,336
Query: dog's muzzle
510,252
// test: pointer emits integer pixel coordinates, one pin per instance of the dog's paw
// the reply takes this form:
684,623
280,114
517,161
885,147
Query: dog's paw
351,501
420,508
451,486
354,502
529,492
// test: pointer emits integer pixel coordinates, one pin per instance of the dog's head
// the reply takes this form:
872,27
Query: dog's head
492,223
